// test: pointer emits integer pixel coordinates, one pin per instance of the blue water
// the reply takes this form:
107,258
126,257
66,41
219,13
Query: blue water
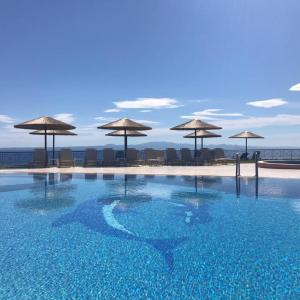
145,237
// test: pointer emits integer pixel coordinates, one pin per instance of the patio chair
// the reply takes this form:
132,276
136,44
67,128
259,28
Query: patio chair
153,157
244,156
39,158
186,156
66,158
159,156
254,155
119,157
90,157
172,157
205,156
219,156
108,157
133,156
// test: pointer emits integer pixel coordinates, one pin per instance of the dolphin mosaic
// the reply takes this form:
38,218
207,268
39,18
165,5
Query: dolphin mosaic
99,216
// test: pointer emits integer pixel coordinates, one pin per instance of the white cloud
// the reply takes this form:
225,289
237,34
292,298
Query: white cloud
6,119
146,121
211,114
65,117
148,103
295,87
112,110
259,122
145,110
215,112
104,119
269,103
202,117
198,100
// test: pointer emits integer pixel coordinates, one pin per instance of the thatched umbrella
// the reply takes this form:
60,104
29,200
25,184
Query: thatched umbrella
246,135
195,125
124,126
45,124
203,134
132,133
53,133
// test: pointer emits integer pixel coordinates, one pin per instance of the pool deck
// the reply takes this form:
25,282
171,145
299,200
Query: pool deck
247,170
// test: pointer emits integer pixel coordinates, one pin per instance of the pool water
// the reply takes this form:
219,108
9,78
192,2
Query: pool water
148,237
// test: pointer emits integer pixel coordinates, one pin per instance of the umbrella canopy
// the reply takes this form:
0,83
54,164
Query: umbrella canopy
124,125
45,123
53,133
246,135
202,134
195,125
133,133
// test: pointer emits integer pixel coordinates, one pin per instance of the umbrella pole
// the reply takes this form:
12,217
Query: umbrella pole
125,147
53,148
202,143
195,151
46,153
246,148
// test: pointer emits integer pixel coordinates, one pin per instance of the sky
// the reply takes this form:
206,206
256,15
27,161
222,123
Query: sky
233,63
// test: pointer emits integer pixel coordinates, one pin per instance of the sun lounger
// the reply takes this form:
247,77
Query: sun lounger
244,156
172,157
153,157
119,157
90,157
219,156
205,156
186,156
108,157
254,155
39,158
66,158
133,156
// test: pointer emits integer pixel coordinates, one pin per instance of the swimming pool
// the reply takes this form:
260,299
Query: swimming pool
148,237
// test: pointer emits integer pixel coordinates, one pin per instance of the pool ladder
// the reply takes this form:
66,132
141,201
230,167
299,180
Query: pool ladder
238,174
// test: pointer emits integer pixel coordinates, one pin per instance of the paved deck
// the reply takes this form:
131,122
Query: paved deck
247,170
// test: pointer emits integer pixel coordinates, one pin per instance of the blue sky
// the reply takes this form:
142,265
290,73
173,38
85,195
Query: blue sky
231,63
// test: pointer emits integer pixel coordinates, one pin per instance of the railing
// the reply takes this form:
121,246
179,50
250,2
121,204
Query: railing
289,154
24,158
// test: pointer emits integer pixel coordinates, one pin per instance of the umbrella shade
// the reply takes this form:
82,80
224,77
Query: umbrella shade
202,134
246,135
53,132
195,125
45,123
124,124
133,133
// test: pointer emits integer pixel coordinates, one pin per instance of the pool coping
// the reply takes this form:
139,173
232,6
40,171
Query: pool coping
247,170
